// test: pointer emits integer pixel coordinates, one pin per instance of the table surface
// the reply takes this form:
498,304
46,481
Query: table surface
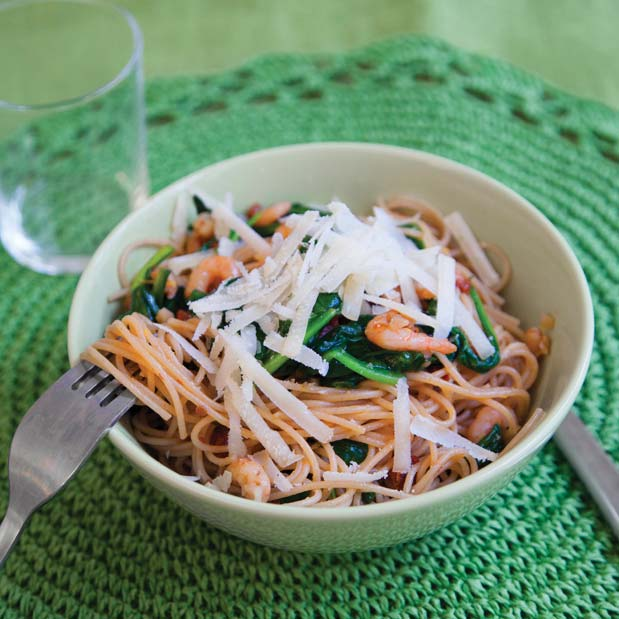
569,43
111,546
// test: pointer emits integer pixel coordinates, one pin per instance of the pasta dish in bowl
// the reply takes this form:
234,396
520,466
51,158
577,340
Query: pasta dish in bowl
333,353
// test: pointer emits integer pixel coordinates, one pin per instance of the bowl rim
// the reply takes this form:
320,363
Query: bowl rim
489,475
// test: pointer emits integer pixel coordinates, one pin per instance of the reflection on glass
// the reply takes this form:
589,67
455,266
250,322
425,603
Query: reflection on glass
70,169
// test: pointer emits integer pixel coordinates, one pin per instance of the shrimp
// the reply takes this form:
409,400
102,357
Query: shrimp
193,242
204,226
252,478
284,230
536,341
203,230
485,419
210,273
393,331
171,287
424,294
272,213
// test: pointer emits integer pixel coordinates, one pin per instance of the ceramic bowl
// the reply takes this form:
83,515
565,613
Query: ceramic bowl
547,278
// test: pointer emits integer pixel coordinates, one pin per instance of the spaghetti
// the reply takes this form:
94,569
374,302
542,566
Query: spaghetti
303,355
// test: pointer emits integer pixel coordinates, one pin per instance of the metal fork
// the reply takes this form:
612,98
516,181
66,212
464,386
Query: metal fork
54,439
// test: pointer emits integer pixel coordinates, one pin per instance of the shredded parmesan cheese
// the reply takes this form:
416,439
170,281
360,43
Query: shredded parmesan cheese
474,332
201,329
179,220
306,356
269,438
199,357
276,392
359,477
431,431
279,480
226,247
294,340
414,313
236,447
401,427
225,214
446,296
472,249
221,482
353,297
179,264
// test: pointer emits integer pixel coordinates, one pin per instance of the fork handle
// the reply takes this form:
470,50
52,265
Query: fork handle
594,467
10,529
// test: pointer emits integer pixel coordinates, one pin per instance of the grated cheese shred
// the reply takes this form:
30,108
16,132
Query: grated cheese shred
431,431
401,428
472,249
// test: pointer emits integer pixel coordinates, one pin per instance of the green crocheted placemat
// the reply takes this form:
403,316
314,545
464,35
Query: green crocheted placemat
112,546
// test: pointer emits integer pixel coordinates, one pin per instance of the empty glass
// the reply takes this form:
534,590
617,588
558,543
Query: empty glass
72,132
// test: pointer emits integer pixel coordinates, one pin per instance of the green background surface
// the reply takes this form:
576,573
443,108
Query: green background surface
110,546
571,43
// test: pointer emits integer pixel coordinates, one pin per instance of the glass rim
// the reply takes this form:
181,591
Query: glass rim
61,104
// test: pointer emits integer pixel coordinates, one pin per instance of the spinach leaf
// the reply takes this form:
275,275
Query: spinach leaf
159,285
492,441
144,302
196,294
294,497
262,351
466,355
231,281
144,272
298,209
413,239
326,302
327,306
200,206
400,361
267,231
210,244
369,370
430,307
350,353
352,356
350,451
343,336
177,302
368,497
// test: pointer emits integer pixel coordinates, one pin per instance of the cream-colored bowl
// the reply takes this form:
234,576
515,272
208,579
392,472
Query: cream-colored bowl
547,278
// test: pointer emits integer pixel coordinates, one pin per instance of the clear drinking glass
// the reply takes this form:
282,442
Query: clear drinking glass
72,131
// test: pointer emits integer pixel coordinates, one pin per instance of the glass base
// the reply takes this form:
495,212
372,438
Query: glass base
23,251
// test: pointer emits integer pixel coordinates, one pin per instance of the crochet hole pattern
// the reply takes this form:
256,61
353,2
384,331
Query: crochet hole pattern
210,106
107,134
369,70
160,119
423,73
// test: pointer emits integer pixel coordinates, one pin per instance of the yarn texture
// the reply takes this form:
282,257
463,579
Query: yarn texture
111,546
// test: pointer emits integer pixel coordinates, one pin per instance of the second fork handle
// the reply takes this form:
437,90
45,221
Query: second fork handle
594,467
